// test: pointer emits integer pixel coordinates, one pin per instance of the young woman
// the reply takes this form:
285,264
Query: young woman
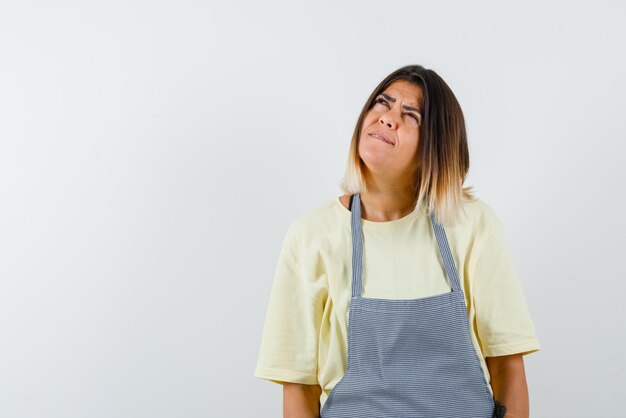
400,298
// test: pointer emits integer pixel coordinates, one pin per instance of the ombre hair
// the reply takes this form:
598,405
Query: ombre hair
442,150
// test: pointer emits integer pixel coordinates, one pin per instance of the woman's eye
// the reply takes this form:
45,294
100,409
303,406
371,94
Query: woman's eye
413,116
383,101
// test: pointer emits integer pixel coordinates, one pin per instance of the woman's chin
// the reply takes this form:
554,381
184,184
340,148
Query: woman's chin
374,157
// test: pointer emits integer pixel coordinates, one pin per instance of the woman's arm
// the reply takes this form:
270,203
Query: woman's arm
301,401
508,381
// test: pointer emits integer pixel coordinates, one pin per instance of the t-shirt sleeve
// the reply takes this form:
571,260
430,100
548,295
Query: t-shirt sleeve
503,322
289,344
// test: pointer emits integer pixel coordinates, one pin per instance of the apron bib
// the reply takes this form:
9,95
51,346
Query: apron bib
409,357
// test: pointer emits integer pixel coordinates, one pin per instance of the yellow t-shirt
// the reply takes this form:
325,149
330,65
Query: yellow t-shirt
305,334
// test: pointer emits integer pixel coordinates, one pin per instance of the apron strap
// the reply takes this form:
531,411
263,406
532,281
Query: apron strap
357,244
446,254
357,249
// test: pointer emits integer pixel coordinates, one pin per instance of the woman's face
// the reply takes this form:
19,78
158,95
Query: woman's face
390,132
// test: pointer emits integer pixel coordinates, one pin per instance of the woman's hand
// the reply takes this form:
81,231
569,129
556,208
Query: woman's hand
508,381
301,401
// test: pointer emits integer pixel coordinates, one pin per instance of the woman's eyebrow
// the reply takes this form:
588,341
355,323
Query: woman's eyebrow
393,100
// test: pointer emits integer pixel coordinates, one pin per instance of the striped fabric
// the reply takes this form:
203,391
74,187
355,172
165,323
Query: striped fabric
409,357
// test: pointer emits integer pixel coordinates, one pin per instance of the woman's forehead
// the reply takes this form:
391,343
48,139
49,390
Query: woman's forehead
405,91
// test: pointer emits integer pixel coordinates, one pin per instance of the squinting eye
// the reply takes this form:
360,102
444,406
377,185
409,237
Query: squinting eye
383,101
413,116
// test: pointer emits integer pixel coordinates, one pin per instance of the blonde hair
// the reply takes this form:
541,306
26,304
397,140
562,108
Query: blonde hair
442,149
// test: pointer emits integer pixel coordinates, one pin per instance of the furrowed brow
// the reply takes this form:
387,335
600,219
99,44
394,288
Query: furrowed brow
393,100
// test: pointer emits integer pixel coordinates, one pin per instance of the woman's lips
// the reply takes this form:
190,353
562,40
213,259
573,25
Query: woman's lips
380,137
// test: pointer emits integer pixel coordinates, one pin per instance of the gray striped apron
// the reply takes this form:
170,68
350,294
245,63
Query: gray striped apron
409,357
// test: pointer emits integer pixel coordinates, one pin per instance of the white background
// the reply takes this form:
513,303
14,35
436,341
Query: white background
153,154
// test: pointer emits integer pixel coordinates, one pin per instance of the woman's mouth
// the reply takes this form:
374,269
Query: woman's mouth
377,136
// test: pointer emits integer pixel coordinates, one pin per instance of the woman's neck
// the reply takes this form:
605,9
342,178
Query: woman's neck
387,205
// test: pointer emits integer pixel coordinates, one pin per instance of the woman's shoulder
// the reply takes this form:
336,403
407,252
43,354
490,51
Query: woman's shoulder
479,215
325,216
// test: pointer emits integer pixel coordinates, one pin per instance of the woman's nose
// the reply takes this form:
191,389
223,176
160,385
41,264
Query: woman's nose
388,120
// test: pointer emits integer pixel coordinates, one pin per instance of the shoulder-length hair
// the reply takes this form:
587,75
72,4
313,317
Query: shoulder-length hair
442,150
